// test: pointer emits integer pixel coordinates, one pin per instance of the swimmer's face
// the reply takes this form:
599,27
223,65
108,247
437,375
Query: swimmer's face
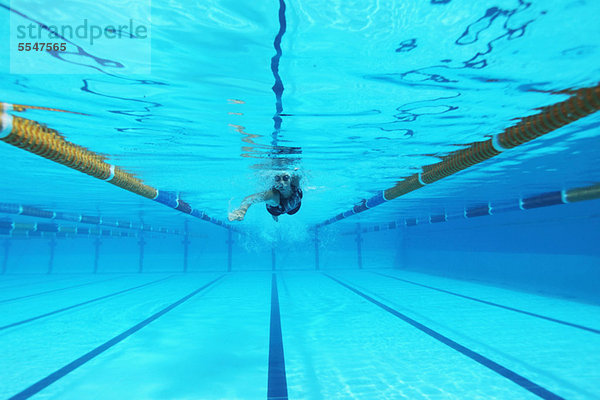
282,181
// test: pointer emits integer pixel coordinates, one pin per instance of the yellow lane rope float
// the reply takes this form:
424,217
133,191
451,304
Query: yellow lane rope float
48,143
23,107
582,103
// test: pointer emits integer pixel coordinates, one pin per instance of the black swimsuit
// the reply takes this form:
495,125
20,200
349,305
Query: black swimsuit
289,205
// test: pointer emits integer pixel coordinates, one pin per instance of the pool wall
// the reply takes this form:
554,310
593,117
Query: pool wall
550,250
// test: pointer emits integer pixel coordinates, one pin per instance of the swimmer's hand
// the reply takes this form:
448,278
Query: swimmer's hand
237,215
275,218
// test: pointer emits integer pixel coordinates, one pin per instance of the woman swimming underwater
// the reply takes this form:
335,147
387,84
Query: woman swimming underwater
284,197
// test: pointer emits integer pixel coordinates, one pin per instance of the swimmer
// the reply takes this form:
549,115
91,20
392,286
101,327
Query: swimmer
284,197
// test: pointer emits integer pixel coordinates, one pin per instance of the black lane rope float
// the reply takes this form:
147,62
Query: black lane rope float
582,103
38,139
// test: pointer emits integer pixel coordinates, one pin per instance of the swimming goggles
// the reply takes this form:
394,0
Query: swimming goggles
284,178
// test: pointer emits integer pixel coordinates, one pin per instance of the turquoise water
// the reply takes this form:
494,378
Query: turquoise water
147,302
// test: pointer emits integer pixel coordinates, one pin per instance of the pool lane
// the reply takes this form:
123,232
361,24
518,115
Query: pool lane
555,307
50,283
560,358
213,346
34,351
339,345
493,304
16,281
520,380
59,289
31,306
296,335
29,312
90,355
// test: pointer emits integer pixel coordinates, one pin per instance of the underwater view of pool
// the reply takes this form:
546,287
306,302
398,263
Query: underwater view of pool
299,199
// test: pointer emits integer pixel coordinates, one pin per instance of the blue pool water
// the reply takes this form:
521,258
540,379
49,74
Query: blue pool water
478,283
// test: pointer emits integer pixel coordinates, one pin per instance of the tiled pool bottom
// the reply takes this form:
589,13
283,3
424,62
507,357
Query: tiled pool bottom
376,334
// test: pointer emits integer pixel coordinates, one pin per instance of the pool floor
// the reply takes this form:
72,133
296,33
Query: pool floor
339,334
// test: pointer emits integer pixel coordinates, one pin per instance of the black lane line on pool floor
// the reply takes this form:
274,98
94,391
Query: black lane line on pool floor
481,359
57,290
489,303
60,373
277,384
81,304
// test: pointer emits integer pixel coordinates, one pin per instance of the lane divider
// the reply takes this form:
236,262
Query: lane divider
489,303
582,103
541,200
23,107
60,373
38,139
473,355
12,325
16,229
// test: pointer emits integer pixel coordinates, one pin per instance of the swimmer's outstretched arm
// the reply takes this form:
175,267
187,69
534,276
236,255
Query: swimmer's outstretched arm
270,197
